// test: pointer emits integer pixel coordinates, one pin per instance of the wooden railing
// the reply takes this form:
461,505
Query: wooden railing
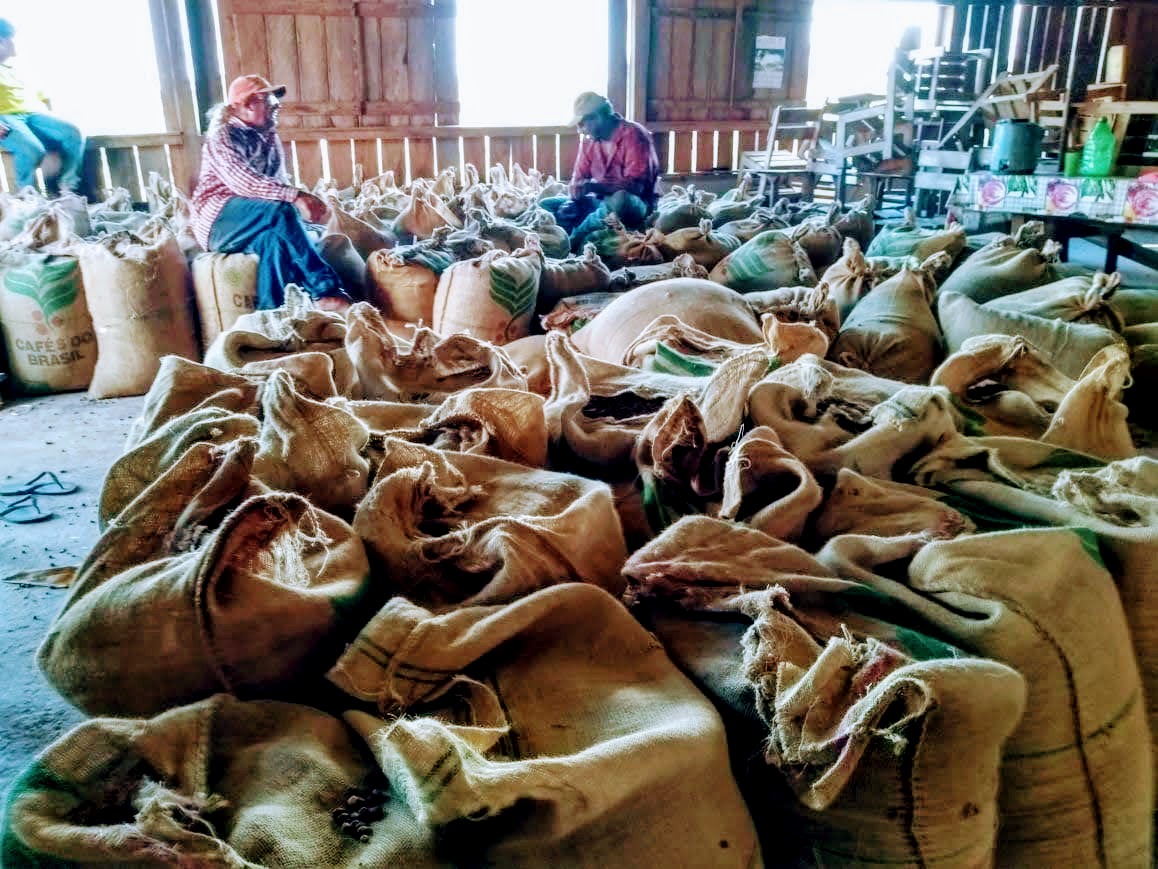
683,149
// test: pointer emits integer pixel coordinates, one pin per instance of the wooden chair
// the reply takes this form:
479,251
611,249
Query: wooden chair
777,165
1008,97
1050,109
938,173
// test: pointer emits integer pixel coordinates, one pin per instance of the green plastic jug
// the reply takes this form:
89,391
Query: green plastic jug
1098,152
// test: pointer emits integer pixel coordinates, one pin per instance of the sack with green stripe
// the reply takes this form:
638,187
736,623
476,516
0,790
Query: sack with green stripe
552,731
908,239
402,281
220,783
769,261
48,331
1077,784
859,735
1078,299
492,297
1007,265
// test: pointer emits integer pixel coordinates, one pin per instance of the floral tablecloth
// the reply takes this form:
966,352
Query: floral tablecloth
1114,200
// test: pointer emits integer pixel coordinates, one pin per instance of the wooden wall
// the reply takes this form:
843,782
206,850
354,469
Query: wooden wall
698,57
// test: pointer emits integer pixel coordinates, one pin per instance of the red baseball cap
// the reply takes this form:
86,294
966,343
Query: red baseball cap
245,86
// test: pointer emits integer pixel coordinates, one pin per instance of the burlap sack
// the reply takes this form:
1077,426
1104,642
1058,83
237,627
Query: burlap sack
530,357
669,344
791,305
339,251
146,461
682,451
1141,335
683,266
597,409
703,305
584,273
402,282
448,528
852,711
857,222
263,603
218,783
1136,306
1075,300
422,215
768,261
61,220
682,207
813,404
1003,385
492,297
554,239
892,331
861,505
1124,492
1077,781
618,247
747,228
638,772
428,367
444,182
705,245
820,239
310,447
364,237
848,279
182,386
136,291
908,239
47,328
767,487
225,286
734,204
1007,265
1068,346
294,328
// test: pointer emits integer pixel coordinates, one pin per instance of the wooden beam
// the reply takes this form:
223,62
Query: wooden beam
641,34
203,47
177,95
617,53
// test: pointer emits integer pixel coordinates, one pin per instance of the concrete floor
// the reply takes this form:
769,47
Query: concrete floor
79,439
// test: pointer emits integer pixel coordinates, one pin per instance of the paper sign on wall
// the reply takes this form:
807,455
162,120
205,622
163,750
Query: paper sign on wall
768,62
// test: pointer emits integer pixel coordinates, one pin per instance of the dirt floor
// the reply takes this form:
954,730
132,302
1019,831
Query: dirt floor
78,439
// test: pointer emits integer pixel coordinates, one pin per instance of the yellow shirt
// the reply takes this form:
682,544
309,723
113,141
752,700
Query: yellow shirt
16,98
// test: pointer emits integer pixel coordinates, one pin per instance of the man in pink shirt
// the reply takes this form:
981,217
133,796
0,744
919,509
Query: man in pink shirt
615,171
244,201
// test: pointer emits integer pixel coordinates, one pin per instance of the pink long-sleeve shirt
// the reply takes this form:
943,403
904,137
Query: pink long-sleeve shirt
626,161
238,160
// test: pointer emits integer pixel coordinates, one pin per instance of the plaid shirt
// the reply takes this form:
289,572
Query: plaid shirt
238,160
626,161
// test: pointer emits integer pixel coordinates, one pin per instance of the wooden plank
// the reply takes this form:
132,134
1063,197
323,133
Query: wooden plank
395,72
545,154
682,60
568,151
248,49
343,65
474,152
1065,46
701,63
420,58
1034,39
394,158
659,83
705,150
1050,32
123,171
282,60
421,157
309,162
660,140
501,152
372,84
154,160
312,70
446,65
366,154
617,14
446,149
523,150
642,57
976,24
341,162
682,148
722,33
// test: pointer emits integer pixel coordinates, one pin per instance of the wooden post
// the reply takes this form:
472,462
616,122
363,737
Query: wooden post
207,77
641,56
617,53
176,90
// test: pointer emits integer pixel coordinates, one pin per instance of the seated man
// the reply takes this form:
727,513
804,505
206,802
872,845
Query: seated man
244,201
615,171
28,131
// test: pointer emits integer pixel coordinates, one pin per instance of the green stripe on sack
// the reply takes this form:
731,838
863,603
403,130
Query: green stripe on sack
37,778
669,361
1089,540
990,517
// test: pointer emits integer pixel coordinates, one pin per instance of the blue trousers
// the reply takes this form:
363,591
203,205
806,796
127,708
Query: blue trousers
32,136
274,231
583,216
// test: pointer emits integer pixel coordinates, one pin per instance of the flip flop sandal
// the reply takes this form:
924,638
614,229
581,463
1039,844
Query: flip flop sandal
44,483
24,512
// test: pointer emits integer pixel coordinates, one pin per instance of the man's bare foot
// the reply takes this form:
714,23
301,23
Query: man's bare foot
332,303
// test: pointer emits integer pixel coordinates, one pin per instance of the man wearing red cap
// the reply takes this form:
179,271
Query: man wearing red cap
244,201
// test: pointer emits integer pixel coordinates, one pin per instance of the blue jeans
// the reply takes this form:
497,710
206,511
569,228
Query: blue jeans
274,231
583,216
30,137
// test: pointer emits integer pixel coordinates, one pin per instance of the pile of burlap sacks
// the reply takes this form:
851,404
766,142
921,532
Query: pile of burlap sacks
836,559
